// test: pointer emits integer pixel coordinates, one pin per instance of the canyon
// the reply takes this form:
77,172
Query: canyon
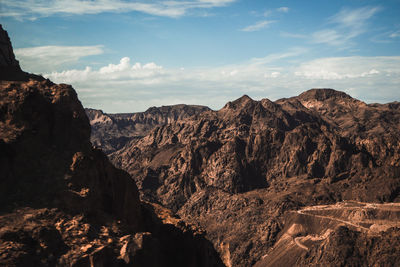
238,171
303,181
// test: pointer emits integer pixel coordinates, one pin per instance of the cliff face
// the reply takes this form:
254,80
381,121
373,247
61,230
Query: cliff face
111,132
236,171
47,157
248,144
62,203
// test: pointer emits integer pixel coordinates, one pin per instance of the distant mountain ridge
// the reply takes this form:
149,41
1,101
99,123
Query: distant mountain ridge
235,172
111,132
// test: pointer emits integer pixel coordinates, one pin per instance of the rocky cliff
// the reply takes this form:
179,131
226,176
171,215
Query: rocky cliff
62,203
9,66
238,170
111,132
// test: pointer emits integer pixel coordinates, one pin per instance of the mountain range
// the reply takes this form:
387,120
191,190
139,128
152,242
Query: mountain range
237,171
309,180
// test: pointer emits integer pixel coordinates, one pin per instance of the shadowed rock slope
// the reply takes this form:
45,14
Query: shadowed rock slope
111,132
236,171
62,203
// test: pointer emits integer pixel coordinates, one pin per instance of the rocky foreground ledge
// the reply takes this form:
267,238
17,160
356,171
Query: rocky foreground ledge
62,203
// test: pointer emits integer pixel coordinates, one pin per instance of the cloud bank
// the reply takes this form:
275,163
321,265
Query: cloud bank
131,86
32,9
46,58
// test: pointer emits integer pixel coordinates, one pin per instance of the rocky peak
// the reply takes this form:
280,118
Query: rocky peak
322,94
243,99
9,66
238,103
111,132
97,116
7,58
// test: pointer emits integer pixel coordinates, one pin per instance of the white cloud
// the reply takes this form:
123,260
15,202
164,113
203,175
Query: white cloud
274,74
270,12
283,9
354,18
347,24
117,73
395,34
132,86
339,68
293,52
329,36
45,58
258,26
123,65
23,9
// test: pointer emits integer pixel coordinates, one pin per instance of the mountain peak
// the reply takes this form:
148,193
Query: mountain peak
9,66
322,94
243,98
7,57
240,102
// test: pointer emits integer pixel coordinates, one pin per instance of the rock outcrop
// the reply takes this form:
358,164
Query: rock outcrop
9,66
236,171
111,132
62,203
7,57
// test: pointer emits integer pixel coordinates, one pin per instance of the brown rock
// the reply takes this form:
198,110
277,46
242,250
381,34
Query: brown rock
111,132
236,171
62,203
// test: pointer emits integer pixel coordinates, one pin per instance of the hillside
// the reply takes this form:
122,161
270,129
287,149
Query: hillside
237,171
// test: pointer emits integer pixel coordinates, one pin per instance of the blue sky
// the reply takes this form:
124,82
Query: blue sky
126,56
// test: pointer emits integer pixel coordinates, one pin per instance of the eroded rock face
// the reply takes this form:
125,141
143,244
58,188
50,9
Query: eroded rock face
236,171
111,132
248,144
47,159
62,203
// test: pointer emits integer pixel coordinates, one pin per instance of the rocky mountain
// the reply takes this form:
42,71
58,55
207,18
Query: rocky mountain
236,172
62,203
9,66
111,132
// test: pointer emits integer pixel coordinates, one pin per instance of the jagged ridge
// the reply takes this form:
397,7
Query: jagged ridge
231,166
111,132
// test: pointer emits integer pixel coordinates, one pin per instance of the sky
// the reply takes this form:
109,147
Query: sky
127,56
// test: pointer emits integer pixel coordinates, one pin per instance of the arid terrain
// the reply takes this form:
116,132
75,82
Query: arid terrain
309,180
110,132
238,171
62,203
